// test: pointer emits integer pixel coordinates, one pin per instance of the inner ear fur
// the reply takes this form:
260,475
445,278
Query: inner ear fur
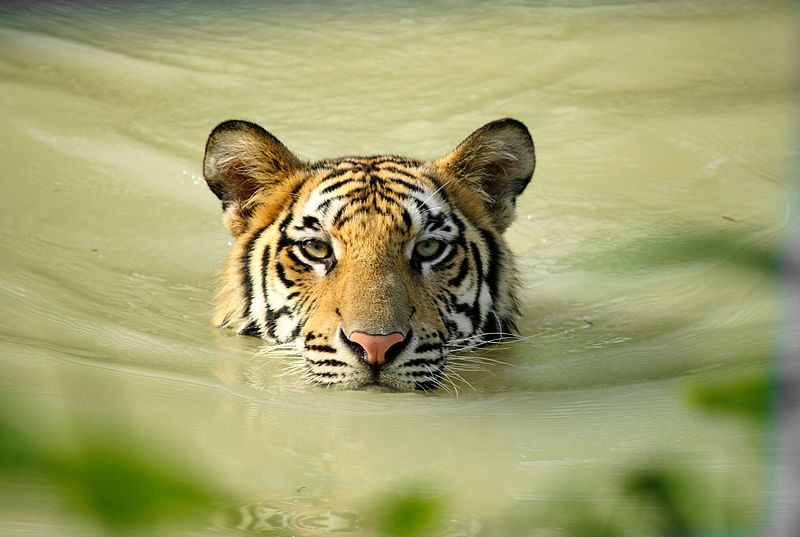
497,162
243,160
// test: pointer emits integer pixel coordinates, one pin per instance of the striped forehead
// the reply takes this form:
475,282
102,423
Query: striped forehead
350,188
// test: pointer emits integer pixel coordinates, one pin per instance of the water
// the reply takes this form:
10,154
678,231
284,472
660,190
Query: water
666,142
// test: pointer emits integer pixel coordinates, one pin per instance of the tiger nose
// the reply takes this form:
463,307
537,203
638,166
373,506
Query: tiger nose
376,345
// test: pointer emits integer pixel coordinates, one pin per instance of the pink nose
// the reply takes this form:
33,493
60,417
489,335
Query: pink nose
376,345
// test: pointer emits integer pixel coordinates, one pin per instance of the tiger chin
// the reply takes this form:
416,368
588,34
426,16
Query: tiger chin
377,268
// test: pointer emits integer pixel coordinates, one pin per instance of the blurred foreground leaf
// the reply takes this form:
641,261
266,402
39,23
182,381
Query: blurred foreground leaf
682,245
106,479
577,517
409,515
749,396
125,490
667,494
16,451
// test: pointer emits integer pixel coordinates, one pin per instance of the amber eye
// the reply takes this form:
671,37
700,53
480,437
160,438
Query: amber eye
428,249
316,249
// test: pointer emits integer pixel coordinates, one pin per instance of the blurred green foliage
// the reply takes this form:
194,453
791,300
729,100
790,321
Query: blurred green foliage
109,480
125,490
746,396
124,487
652,500
409,514
662,248
669,497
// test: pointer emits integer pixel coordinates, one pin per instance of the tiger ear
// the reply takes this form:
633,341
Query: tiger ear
242,160
497,162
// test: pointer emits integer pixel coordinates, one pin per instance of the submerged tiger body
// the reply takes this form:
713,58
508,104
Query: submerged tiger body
371,266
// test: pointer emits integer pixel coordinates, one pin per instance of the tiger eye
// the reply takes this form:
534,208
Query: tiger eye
316,249
428,248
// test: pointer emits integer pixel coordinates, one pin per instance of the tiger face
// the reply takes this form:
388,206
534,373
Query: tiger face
375,268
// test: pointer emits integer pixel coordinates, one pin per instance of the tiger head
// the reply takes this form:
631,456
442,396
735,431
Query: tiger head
374,268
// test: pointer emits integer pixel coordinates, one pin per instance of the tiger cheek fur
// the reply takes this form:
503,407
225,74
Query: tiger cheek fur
376,268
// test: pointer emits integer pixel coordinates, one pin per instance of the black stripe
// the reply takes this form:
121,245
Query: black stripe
459,224
421,207
328,361
395,159
407,219
300,265
283,310
449,325
321,348
272,321
422,361
323,207
339,214
359,210
330,188
297,329
425,347
265,257
476,313
247,283
390,198
283,239
374,160
282,276
440,265
496,258
399,171
410,186
363,195
251,330
352,161
456,280
333,174
435,221
492,326
309,222
326,374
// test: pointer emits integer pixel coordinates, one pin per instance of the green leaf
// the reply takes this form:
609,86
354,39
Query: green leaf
748,396
124,490
409,515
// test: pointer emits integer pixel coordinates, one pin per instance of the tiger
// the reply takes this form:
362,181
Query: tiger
372,268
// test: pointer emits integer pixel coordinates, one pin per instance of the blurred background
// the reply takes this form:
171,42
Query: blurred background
654,391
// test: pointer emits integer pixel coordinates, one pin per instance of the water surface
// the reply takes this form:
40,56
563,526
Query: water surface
666,142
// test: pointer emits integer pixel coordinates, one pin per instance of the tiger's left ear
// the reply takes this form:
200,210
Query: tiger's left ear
497,162
242,163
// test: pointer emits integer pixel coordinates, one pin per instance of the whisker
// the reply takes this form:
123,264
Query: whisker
482,335
437,382
478,341
468,368
291,370
441,384
475,359
437,191
462,379
266,348
503,337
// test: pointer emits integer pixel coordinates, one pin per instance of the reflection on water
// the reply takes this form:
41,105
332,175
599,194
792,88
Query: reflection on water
647,240
297,514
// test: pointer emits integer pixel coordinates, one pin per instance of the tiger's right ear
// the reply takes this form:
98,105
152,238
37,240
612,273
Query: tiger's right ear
242,160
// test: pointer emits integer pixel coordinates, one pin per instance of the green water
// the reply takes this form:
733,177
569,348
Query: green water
666,142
